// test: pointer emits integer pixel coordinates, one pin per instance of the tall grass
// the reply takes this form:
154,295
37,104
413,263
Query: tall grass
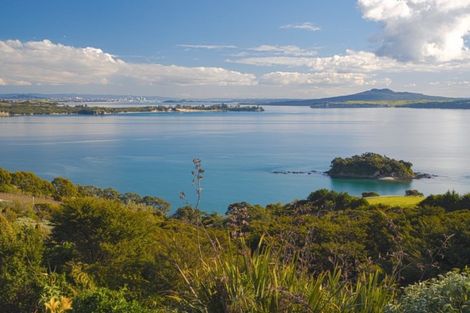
240,280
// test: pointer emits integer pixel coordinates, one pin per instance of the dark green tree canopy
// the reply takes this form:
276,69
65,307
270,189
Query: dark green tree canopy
370,165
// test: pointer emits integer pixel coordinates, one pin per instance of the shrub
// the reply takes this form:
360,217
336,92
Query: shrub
21,250
324,200
29,182
94,226
451,201
64,188
103,300
413,193
449,293
370,194
5,177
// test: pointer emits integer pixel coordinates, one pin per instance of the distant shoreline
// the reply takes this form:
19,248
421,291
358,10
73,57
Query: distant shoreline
29,108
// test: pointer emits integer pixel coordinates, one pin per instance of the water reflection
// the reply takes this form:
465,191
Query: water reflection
358,186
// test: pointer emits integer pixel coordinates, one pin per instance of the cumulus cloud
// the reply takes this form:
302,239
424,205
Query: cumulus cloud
303,26
48,63
421,30
351,61
44,62
321,79
190,76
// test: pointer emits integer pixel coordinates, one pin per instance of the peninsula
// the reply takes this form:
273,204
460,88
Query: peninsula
39,107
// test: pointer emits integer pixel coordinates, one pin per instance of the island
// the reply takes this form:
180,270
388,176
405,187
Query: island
39,107
380,98
373,166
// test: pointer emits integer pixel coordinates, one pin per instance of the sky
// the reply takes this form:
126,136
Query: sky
234,49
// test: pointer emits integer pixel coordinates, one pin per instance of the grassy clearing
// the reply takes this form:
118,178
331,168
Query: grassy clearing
25,199
402,201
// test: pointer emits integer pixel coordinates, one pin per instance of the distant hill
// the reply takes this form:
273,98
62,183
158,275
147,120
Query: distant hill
381,98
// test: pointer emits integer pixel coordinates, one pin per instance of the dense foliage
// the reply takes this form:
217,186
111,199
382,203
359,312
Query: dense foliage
87,249
451,201
370,165
447,293
62,188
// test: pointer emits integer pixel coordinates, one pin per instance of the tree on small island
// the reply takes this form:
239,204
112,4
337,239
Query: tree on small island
413,193
370,165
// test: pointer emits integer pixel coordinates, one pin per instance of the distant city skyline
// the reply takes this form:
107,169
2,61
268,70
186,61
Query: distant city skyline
242,49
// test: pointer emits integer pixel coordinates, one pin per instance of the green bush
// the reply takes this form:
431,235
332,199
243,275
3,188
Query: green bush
325,200
413,193
449,293
370,194
29,182
451,201
103,300
5,177
21,251
64,188
115,241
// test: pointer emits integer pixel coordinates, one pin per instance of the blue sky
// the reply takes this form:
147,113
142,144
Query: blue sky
238,48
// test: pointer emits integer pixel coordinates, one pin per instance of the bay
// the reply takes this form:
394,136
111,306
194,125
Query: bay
152,153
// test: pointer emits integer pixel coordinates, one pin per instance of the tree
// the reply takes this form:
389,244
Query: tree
28,182
189,215
370,194
451,201
413,193
114,241
5,177
161,206
64,188
131,197
110,194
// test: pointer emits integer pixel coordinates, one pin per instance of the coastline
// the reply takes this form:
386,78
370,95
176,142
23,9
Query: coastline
27,108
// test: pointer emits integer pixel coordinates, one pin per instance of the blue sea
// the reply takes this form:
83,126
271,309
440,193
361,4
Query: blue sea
152,153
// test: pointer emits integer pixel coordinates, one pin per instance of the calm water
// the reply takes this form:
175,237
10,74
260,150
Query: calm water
152,153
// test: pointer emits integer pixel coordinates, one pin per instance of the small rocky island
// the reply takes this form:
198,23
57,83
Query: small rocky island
373,166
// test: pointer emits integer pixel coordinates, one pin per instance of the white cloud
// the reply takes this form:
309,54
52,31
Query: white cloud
321,79
290,50
421,30
351,61
44,62
450,83
186,76
208,47
47,63
303,26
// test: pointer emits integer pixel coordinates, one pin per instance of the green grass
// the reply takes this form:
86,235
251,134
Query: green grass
402,201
